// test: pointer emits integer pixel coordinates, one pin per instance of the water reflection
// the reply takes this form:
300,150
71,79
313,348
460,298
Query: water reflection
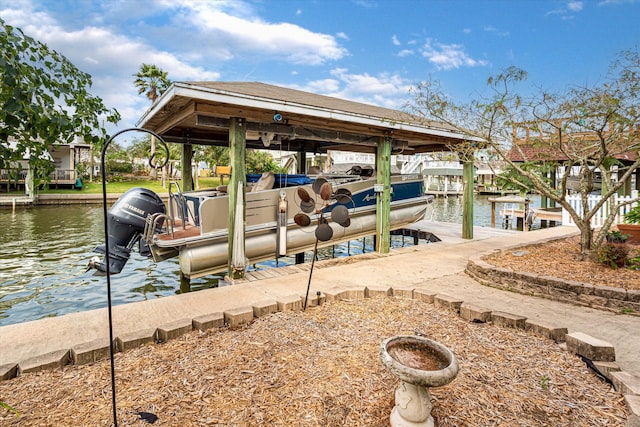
44,255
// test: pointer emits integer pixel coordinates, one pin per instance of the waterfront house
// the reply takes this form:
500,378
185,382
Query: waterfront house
66,158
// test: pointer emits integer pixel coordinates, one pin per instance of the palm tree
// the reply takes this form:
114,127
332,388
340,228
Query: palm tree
152,81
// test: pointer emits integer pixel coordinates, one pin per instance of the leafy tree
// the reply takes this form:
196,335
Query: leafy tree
511,179
258,161
151,81
215,155
117,159
140,147
44,100
586,128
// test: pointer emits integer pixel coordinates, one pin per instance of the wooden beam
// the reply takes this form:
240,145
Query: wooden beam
467,202
177,117
237,156
185,161
289,131
383,198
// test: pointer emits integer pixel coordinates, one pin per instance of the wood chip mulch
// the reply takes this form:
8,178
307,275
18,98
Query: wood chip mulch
560,258
321,368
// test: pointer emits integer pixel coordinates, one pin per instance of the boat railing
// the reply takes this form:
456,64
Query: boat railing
153,223
178,200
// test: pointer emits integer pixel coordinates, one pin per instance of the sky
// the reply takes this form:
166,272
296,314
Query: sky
371,51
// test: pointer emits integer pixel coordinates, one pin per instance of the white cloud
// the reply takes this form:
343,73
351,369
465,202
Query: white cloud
572,7
494,30
323,86
197,41
366,3
405,52
221,33
447,57
342,35
616,2
386,89
575,6
395,41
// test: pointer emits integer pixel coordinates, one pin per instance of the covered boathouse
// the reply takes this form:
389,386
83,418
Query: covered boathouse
242,115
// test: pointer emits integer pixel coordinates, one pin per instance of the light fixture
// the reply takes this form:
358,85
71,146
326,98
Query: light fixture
266,138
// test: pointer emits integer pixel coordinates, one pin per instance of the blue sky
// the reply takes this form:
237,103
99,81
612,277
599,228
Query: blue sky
370,51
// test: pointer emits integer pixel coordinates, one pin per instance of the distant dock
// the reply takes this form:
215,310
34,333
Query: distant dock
9,201
13,201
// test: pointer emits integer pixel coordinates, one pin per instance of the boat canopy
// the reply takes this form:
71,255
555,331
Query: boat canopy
283,180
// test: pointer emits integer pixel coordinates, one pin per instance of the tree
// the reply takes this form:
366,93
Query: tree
215,155
44,100
139,147
259,161
586,128
151,81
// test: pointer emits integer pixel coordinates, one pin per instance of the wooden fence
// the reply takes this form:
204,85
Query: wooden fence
603,213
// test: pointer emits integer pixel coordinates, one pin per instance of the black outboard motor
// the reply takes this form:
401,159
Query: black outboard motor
125,225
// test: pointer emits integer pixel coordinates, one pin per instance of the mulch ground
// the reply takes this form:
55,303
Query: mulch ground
561,258
321,368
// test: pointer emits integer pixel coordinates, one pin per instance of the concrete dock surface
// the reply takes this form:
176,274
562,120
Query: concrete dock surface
435,267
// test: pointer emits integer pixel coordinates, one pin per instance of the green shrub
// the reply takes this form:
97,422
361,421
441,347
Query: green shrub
634,263
119,167
616,236
613,254
633,216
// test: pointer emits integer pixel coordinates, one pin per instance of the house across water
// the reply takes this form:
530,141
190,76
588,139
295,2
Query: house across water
66,157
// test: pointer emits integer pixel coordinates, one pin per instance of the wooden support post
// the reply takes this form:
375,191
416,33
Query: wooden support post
185,284
605,169
627,186
187,173
301,158
493,214
237,156
383,198
552,203
544,203
467,202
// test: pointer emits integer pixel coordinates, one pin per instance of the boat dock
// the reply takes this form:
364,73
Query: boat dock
444,193
8,201
13,201
516,209
553,215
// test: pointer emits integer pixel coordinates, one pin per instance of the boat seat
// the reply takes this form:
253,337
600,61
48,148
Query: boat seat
266,182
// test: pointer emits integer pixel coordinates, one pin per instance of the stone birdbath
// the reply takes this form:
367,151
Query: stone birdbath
419,363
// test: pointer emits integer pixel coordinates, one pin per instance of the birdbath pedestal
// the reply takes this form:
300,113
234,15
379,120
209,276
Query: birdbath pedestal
419,363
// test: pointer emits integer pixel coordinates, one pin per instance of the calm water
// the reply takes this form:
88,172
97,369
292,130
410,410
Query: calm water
44,252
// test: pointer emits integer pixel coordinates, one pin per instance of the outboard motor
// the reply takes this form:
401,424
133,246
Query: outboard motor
125,225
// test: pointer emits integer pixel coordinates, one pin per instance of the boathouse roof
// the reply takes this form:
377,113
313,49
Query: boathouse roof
288,119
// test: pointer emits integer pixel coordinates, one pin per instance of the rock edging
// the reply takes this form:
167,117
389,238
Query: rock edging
579,293
596,352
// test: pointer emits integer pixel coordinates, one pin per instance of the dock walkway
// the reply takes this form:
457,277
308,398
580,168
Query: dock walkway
435,268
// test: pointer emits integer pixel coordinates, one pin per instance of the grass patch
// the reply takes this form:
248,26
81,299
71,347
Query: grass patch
117,187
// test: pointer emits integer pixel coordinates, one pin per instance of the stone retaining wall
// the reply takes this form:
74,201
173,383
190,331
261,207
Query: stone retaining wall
584,294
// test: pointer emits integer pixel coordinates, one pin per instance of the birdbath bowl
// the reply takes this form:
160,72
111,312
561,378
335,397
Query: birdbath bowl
419,363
